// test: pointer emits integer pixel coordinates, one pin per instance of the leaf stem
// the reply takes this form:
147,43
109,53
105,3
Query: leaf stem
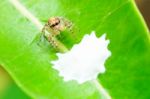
26,13
101,89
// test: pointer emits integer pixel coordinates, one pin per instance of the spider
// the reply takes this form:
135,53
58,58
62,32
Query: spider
55,25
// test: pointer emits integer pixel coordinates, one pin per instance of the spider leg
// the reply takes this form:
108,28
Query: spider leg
44,28
52,41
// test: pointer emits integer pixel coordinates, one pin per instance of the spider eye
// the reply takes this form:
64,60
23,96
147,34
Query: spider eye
57,23
52,25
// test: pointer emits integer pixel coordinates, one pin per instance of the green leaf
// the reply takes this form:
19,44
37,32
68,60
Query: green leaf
8,89
13,92
127,70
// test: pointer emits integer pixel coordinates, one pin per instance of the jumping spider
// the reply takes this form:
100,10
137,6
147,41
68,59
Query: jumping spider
55,26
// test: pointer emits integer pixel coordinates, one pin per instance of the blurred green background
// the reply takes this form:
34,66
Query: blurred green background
9,90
